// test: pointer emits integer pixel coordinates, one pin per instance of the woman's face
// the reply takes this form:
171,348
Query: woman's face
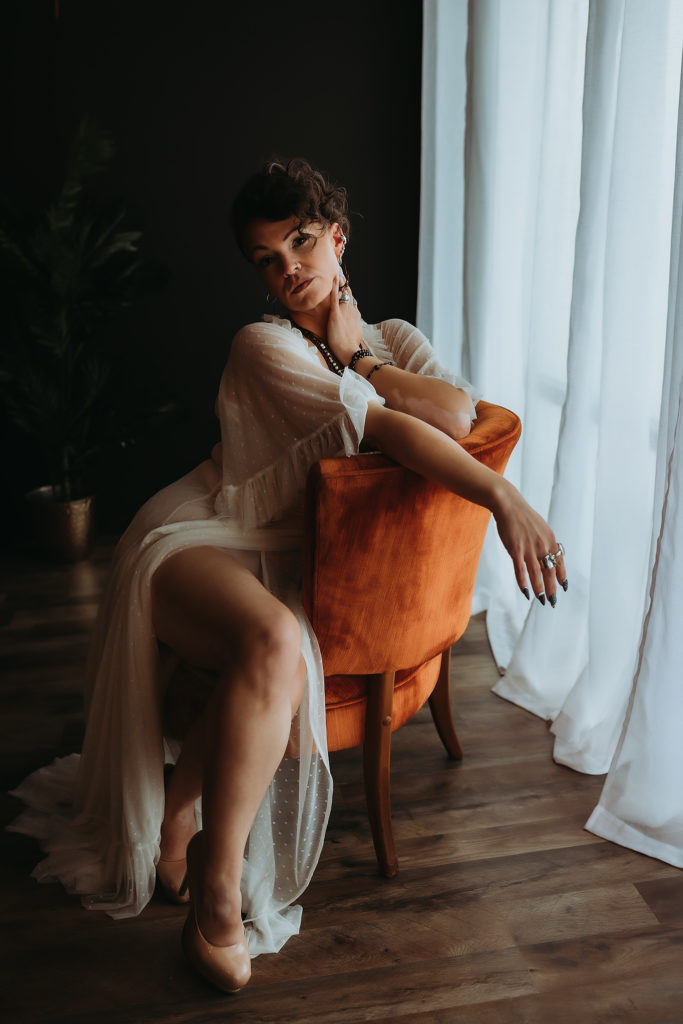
297,263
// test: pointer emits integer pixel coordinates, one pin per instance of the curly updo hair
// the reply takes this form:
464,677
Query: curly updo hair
295,189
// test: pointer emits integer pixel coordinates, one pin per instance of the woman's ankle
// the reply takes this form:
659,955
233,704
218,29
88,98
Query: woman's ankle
219,915
176,832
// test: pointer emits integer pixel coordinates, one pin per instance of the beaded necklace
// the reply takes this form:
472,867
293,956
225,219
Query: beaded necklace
322,347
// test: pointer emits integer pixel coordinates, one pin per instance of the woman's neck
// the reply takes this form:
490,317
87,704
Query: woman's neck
313,321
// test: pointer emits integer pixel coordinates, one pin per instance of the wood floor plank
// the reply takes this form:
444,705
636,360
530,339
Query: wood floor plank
571,914
437,817
664,897
370,994
480,844
505,910
635,1001
606,956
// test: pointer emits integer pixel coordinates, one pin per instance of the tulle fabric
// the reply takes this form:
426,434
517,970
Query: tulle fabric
99,814
265,407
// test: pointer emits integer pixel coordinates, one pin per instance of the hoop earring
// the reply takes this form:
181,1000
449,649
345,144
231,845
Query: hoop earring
270,299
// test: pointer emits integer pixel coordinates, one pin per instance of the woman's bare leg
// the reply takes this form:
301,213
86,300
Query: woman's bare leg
184,787
215,614
182,791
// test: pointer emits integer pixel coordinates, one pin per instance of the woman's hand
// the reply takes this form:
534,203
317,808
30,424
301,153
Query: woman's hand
431,453
528,539
344,331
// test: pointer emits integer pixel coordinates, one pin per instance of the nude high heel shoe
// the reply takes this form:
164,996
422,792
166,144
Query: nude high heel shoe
226,967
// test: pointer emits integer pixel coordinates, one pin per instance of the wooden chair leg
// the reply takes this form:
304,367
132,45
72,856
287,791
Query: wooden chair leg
377,769
440,706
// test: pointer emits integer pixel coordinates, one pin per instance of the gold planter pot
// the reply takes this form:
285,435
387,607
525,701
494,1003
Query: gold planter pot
65,530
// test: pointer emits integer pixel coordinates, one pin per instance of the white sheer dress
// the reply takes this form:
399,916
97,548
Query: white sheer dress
98,814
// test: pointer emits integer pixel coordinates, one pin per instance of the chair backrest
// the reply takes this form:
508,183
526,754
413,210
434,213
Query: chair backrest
390,558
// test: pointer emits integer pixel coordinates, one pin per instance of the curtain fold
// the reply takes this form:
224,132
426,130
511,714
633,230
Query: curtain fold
641,804
570,153
522,172
602,498
442,193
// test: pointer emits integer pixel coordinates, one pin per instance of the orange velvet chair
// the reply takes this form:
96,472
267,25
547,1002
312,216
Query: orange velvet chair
389,566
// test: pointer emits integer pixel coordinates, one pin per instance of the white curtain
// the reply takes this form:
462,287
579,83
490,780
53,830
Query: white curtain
568,170
649,759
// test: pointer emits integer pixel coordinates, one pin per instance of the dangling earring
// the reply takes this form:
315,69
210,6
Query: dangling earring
342,268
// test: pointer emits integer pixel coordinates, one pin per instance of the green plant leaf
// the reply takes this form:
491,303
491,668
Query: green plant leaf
67,272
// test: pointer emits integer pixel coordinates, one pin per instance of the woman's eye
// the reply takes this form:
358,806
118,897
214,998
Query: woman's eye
297,243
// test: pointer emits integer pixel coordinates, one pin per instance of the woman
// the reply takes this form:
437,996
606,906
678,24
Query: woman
208,570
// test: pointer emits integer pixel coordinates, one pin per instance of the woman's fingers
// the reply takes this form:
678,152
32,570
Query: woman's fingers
521,576
334,302
344,329
537,557
538,583
350,307
550,585
552,572
347,303
338,307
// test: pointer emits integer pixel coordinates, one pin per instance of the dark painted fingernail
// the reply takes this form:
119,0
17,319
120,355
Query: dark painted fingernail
565,585
525,591
541,598
553,600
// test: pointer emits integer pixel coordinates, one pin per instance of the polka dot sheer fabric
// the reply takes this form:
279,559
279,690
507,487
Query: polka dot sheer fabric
99,814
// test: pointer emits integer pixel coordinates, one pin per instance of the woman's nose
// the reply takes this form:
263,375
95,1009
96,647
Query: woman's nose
290,265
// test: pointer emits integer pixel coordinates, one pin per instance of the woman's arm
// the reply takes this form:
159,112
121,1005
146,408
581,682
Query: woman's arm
428,399
419,446
434,401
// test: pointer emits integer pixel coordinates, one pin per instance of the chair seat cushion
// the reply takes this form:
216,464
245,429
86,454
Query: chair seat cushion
346,701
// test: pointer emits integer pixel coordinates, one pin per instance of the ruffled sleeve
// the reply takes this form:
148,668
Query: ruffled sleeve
412,351
280,410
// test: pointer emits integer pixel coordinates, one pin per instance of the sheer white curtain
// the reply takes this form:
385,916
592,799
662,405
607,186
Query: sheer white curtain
649,759
568,170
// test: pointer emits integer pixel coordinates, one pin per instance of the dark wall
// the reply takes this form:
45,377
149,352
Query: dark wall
197,96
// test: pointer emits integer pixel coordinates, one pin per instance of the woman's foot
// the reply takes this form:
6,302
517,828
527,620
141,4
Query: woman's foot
178,826
176,833
213,941
177,830
218,915
172,880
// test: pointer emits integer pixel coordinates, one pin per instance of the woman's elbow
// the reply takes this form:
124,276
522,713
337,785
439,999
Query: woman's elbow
455,415
459,426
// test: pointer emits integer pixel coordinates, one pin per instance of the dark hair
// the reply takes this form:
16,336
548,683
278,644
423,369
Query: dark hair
279,191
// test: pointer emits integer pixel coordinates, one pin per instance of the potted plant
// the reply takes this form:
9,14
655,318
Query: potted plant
67,271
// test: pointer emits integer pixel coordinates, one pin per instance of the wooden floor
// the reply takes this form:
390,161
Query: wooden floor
504,910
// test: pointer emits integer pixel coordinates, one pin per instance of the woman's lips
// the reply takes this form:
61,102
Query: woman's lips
300,287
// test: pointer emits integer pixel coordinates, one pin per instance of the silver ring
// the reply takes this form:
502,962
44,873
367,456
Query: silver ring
549,561
345,297
355,302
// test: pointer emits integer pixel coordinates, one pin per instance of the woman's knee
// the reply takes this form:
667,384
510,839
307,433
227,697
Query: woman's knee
270,653
215,615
